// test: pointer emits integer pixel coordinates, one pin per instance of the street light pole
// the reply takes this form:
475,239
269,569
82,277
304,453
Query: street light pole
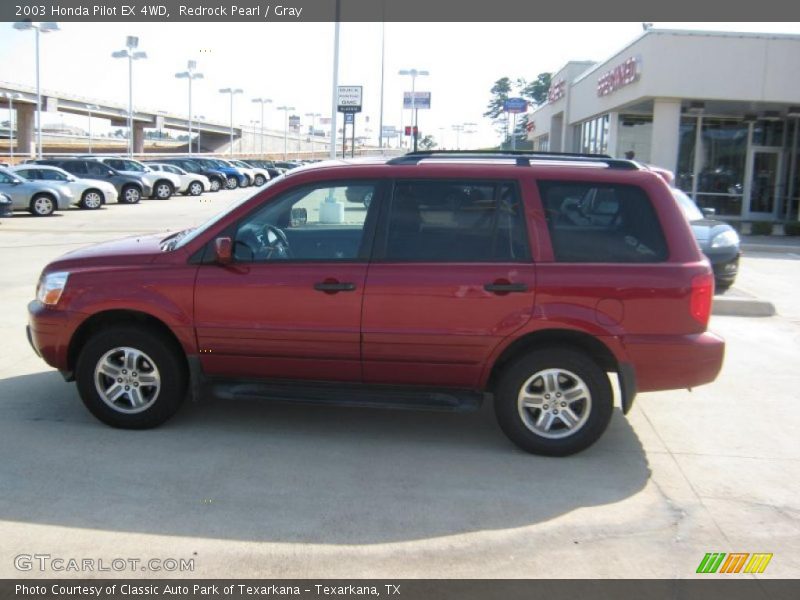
285,110
232,92
414,73
253,123
190,74
334,91
262,102
39,27
130,52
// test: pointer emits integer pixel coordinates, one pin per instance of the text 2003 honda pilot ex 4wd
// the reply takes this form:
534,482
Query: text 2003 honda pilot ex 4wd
529,278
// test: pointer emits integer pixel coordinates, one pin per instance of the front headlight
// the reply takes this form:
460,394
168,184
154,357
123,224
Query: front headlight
51,286
725,239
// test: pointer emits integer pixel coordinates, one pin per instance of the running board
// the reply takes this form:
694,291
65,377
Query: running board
339,394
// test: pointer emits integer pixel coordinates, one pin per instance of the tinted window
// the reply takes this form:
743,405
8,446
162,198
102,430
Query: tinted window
598,222
97,169
29,173
115,163
76,168
312,223
49,175
456,222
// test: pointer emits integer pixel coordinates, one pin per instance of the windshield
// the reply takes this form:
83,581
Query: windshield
689,208
182,238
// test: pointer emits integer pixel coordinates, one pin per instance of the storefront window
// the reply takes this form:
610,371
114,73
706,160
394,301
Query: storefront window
722,152
635,135
768,133
594,136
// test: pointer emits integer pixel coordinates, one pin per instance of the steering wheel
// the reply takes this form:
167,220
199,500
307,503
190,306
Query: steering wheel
275,243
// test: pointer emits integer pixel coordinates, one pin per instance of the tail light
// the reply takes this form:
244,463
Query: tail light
701,297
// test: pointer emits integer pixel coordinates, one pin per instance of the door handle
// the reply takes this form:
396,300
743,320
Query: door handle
505,288
334,286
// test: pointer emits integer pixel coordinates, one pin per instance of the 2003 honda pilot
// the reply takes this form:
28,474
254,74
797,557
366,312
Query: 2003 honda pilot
529,278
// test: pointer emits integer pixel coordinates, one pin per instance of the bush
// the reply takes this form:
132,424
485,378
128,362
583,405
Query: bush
761,228
791,228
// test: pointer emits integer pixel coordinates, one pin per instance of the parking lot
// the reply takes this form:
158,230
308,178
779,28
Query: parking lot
252,489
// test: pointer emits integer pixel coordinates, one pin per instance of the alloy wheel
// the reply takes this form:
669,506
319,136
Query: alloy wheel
554,403
127,380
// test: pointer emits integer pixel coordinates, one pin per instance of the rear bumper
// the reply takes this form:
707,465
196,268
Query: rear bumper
674,362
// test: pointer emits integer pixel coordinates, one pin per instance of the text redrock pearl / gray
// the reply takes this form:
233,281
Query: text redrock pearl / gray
264,11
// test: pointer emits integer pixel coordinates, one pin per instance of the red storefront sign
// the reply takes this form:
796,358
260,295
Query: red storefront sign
620,76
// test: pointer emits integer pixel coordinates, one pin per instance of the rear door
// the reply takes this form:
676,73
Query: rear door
451,277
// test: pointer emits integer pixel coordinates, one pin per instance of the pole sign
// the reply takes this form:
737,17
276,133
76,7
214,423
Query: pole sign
349,98
515,105
422,100
294,122
390,131
349,118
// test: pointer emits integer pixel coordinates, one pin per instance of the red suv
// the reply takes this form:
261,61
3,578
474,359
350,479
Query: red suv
529,278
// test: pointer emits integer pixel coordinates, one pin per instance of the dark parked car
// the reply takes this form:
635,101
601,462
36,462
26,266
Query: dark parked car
718,240
6,206
216,177
130,188
268,165
233,177
528,278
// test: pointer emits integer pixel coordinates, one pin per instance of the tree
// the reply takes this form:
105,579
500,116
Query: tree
536,90
427,143
495,110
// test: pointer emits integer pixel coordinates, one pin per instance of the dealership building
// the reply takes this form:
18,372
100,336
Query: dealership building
720,110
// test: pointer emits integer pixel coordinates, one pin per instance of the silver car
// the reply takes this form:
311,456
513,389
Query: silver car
89,193
191,184
39,198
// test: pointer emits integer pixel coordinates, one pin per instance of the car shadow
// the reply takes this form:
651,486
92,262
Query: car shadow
262,471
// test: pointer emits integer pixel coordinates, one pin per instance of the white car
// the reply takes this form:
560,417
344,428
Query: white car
89,193
256,175
191,184
162,183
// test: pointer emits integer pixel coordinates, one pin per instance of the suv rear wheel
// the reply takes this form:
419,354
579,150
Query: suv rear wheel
131,377
232,183
554,402
216,184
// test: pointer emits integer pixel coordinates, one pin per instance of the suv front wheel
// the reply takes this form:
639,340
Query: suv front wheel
131,377
554,402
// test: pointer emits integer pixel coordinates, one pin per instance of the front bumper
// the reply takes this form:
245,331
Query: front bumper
49,332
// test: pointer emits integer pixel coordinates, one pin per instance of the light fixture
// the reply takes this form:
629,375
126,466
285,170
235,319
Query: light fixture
771,115
696,107
750,117
794,111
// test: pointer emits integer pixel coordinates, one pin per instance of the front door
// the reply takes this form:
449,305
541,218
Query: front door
289,305
762,179
451,278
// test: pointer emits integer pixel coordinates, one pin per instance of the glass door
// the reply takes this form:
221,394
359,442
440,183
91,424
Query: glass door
763,175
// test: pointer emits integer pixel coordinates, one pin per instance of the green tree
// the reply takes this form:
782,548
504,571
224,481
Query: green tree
535,91
427,143
495,110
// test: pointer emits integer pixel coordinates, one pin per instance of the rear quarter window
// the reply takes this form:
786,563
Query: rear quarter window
602,223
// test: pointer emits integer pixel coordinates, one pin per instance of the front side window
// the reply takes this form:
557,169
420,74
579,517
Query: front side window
116,163
28,173
602,223
97,169
452,221
321,223
49,175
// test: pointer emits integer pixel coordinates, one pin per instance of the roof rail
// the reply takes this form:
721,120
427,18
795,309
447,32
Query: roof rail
523,158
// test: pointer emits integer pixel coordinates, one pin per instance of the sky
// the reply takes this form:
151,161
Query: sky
292,64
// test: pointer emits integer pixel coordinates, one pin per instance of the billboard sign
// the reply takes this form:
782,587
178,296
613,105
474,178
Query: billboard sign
348,98
515,105
421,100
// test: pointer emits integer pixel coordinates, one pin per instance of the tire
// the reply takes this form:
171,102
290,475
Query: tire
260,180
231,183
163,190
551,372
216,184
195,188
159,380
131,194
42,205
91,200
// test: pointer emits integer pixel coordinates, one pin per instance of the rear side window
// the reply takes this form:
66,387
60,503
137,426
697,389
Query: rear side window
602,223
444,221
95,168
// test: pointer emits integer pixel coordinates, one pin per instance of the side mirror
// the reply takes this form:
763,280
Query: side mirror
299,217
709,212
223,250
16,181
110,173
